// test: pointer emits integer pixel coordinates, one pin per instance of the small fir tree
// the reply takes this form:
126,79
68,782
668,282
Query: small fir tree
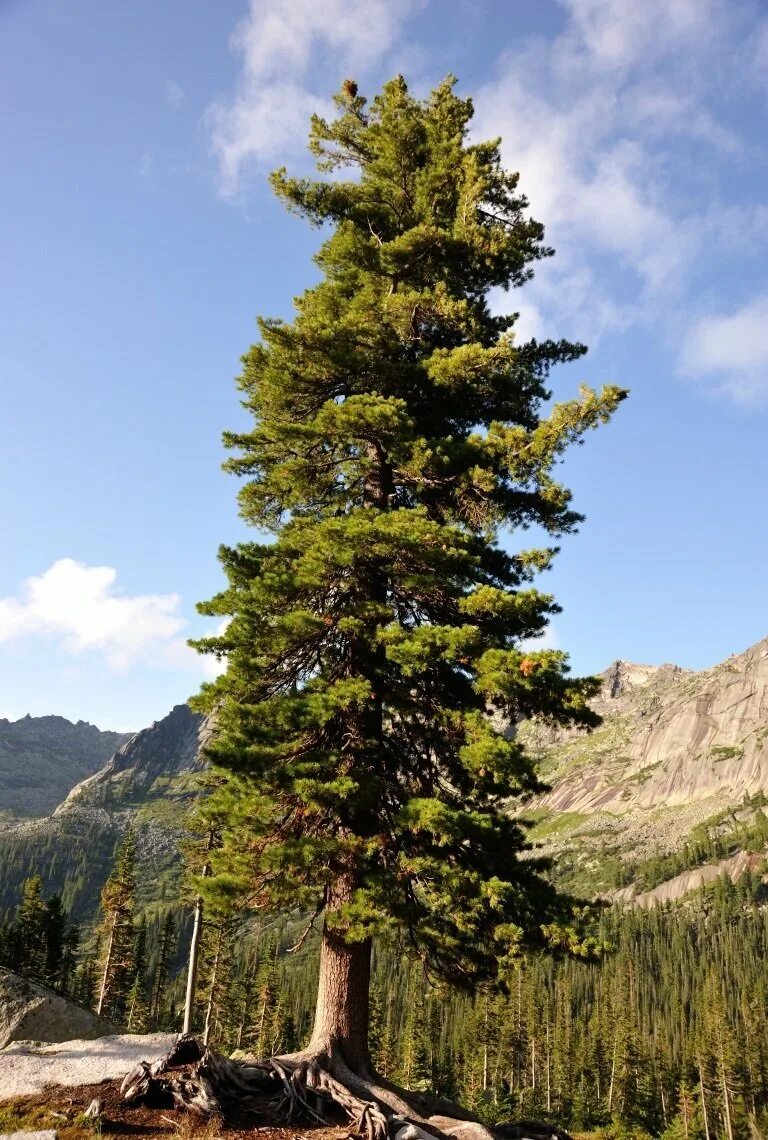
161,975
117,931
55,935
137,1006
32,929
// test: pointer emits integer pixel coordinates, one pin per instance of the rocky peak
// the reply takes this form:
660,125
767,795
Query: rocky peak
623,676
670,737
41,757
164,750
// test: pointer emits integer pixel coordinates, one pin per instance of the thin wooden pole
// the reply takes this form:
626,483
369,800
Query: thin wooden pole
194,953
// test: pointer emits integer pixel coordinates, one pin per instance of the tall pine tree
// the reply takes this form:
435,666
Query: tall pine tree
398,427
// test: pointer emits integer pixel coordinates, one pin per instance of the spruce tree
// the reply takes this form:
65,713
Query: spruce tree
117,931
55,932
160,979
32,927
137,1006
378,635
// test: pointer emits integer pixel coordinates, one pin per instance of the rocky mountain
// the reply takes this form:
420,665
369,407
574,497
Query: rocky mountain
144,767
680,762
42,757
149,783
666,794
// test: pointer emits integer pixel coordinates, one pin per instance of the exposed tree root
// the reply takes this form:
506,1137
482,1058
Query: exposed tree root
315,1085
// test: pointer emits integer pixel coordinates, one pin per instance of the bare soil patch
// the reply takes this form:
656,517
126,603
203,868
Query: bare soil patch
62,1108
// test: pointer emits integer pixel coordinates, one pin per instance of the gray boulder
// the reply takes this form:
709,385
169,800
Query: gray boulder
30,1011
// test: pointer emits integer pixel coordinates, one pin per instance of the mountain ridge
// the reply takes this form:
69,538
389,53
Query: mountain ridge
680,759
681,755
148,783
42,757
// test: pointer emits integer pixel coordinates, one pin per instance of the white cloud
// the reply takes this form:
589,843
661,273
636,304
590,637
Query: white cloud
268,113
80,607
617,123
615,34
731,350
605,122
180,655
174,93
546,640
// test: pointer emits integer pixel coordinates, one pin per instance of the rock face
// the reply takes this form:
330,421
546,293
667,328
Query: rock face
166,749
681,757
29,1011
42,757
26,1070
669,738
149,783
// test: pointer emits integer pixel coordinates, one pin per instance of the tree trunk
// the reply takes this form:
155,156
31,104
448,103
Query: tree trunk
726,1099
342,1011
194,946
107,964
212,991
194,957
703,1101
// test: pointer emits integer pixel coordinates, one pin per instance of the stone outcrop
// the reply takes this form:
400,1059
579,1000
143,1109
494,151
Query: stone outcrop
680,885
29,1011
669,738
41,757
163,751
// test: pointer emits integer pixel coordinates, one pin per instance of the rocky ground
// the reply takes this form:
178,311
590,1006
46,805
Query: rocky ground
26,1068
62,1109
46,1087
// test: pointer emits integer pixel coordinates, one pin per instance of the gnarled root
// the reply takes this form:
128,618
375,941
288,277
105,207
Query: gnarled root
313,1085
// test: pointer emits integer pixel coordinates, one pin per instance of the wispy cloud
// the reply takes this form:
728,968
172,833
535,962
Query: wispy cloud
174,93
609,123
730,350
81,608
280,43
619,124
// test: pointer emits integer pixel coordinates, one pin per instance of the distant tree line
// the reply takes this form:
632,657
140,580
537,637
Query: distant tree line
38,941
121,966
667,1035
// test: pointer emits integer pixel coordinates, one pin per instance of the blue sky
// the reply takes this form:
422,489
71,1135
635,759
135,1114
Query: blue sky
140,240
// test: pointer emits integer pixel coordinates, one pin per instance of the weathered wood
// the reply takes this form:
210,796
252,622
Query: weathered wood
93,1111
311,1085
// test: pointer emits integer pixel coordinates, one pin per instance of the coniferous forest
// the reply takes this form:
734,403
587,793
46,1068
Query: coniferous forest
667,1034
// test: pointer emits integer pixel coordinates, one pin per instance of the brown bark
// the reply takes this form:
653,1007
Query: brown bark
342,1010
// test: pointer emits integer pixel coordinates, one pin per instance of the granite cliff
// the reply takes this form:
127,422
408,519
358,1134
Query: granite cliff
666,794
678,754
42,757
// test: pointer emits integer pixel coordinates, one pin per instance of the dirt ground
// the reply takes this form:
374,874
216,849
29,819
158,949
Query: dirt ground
62,1108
